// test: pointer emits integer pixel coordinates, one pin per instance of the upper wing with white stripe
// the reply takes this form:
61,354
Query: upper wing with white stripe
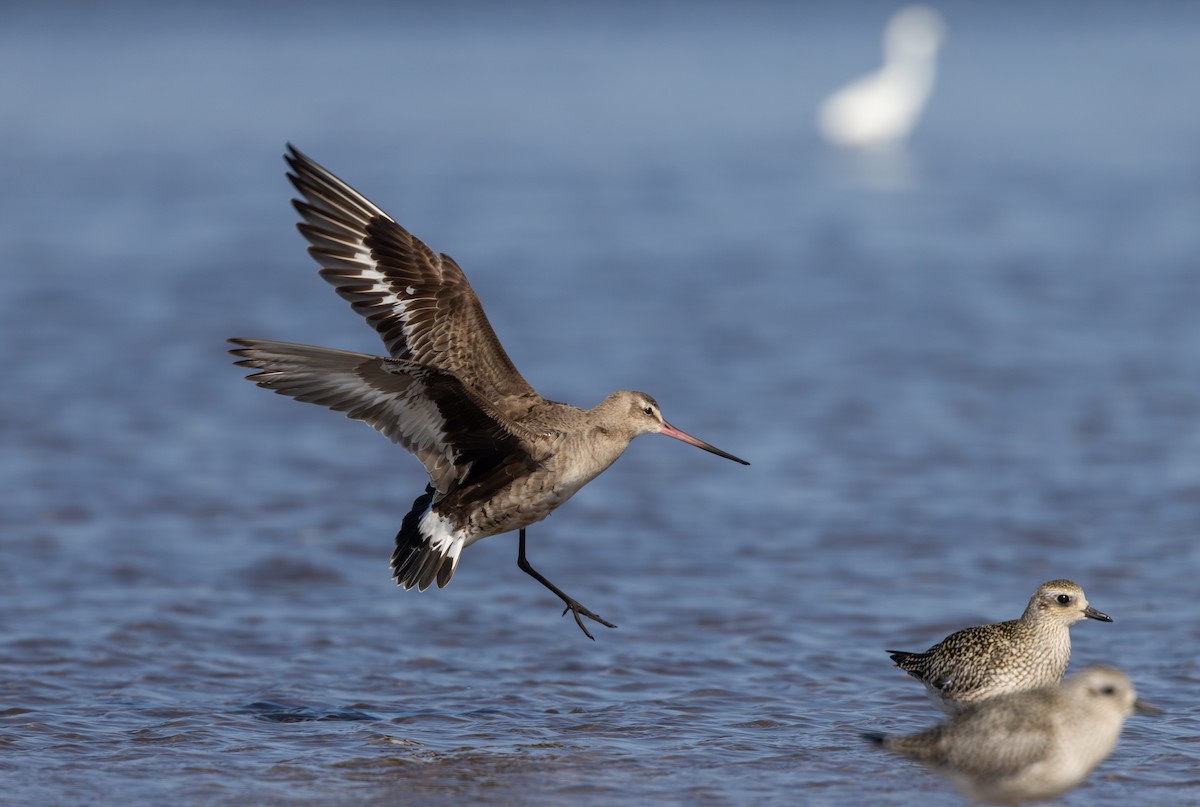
419,301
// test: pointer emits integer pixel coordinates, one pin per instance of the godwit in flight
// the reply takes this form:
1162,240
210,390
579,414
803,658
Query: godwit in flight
499,456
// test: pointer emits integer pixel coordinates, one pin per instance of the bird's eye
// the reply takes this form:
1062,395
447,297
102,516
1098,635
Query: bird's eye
1064,598
648,410
1108,690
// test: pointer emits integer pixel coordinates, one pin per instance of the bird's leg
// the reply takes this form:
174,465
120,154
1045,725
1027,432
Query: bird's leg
572,605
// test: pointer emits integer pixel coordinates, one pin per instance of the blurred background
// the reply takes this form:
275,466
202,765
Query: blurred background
963,359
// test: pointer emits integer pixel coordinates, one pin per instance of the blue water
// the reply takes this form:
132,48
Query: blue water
958,372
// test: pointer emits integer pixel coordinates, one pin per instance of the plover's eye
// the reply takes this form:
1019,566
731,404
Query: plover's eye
1108,690
1064,598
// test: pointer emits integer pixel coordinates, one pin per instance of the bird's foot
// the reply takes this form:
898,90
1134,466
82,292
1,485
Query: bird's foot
578,610
572,604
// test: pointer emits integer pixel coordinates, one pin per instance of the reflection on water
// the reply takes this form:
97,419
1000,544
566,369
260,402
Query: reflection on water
884,170
981,379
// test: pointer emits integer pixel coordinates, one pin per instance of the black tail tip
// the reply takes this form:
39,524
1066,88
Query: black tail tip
873,737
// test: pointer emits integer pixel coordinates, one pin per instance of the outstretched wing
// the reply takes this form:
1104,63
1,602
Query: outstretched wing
428,411
419,301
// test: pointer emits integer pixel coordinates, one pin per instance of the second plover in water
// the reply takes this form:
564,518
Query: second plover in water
1027,746
989,660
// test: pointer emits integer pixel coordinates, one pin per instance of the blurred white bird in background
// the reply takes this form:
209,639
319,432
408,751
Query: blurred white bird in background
880,109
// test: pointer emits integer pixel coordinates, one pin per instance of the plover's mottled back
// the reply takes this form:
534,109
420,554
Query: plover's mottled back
989,660
1026,746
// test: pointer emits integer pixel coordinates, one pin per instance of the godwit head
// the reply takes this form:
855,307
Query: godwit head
637,413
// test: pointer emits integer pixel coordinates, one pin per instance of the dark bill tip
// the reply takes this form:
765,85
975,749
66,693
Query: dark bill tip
671,431
1140,706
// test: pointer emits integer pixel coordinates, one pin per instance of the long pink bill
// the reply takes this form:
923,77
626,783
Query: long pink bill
671,431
